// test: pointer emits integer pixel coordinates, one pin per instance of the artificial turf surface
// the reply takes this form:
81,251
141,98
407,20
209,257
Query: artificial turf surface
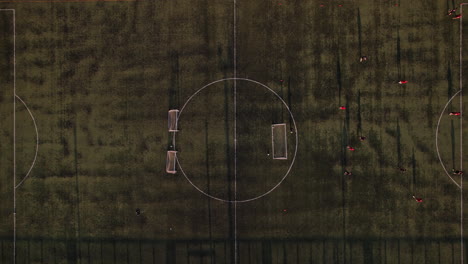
99,78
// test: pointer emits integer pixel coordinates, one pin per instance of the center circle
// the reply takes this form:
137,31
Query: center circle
228,139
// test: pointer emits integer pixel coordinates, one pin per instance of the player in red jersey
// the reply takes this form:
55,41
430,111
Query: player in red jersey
452,11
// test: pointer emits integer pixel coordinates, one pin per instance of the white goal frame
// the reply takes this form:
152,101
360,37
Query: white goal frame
171,161
274,128
172,120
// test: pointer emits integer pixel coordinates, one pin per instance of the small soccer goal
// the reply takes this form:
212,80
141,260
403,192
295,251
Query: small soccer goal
171,162
279,142
172,117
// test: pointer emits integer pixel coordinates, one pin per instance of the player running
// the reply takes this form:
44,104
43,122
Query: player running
401,169
419,200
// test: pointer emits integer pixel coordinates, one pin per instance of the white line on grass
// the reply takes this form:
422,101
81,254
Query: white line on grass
461,133
14,132
14,136
37,143
437,137
235,128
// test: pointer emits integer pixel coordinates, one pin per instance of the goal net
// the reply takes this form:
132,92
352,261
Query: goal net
171,162
279,141
172,117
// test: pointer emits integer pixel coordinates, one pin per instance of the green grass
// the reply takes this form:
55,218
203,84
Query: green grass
100,78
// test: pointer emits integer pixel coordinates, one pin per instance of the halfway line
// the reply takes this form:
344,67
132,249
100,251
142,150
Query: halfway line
235,127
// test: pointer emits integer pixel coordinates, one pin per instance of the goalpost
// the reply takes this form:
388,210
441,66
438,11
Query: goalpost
279,141
171,158
172,118
171,162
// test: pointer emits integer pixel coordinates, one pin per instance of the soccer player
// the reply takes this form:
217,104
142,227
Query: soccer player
351,148
363,58
347,173
402,169
419,200
138,212
362,138
402,82
452,11
342,108
457,172
455,113
457,17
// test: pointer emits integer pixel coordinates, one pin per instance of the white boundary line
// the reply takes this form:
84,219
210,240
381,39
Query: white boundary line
14,132
461,132
235,125
37,143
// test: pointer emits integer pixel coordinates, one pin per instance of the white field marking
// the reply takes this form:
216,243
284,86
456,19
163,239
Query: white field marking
461,133
295,151
437,137
235,127
14,132
37,142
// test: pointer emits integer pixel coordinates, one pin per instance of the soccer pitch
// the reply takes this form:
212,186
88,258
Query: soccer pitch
290,138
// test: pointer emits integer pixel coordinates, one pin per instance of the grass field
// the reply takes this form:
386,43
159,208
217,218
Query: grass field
99,78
